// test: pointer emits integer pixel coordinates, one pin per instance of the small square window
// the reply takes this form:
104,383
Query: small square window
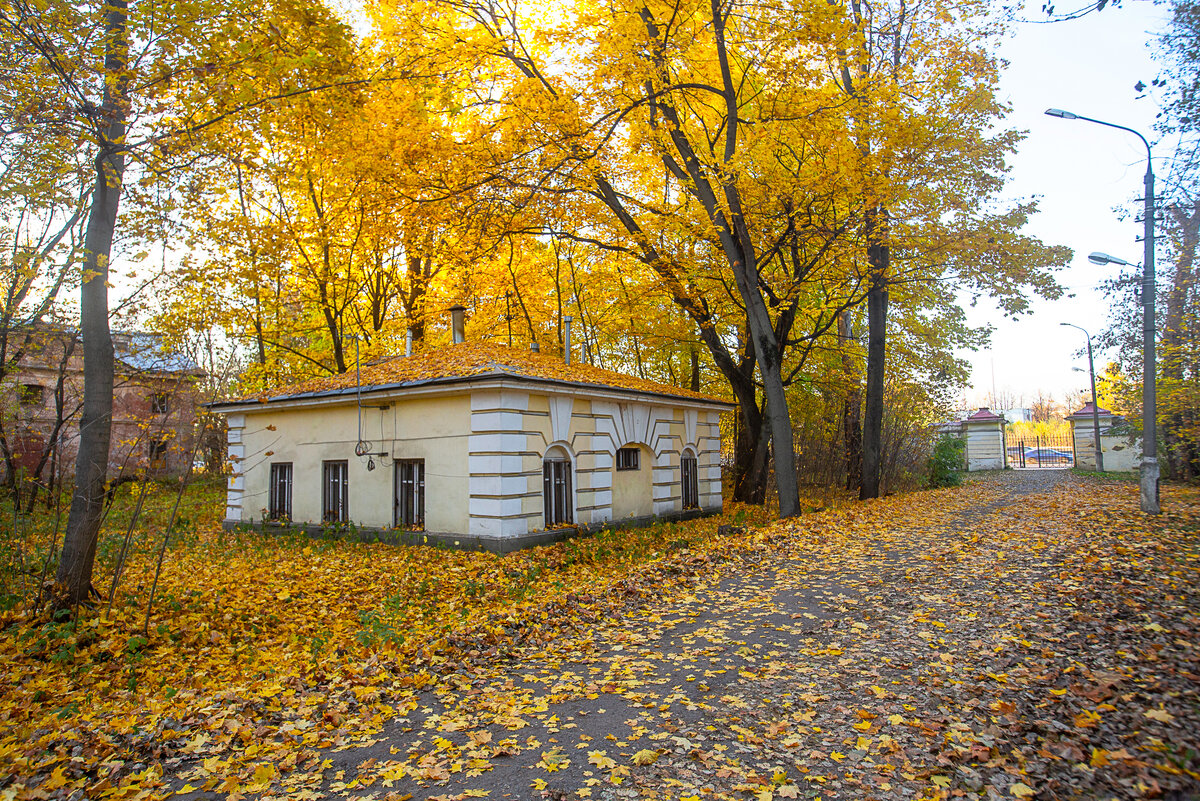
627,458
160,403
158,452
33,395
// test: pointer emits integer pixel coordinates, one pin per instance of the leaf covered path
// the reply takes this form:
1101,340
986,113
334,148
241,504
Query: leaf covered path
1031,635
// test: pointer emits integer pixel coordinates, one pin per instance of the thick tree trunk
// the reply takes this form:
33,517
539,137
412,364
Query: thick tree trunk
751,455
74,576
877,307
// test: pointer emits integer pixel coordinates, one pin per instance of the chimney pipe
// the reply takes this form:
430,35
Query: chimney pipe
567,339
533,346
408,341
458,324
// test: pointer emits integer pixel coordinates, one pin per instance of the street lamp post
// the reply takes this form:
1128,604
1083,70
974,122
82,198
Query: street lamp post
1095,401
1149,472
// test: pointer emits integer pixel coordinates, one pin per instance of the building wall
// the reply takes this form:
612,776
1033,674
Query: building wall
483,455
512,430
632,494
29,421
433,429
1121,454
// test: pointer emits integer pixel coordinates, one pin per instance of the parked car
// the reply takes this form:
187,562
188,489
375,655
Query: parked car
1049,455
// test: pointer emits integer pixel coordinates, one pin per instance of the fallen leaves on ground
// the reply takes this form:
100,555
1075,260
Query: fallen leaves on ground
965,643
263,649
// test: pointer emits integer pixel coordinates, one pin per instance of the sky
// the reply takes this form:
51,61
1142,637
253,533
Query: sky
1087,179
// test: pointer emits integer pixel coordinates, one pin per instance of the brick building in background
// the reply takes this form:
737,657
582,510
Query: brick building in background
41,393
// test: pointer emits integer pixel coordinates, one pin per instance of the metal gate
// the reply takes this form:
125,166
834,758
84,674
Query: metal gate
1038,452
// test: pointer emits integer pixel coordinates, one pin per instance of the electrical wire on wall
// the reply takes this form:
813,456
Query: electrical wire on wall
363,447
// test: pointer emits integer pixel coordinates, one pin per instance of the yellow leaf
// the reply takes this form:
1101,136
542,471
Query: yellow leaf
645,757
837,756
941,781
553,760
601,760
863,725
57,778
1160,715
538,784
264,774
1021,790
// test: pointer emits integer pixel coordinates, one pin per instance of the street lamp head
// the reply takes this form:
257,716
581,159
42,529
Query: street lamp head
1062,115
1104,258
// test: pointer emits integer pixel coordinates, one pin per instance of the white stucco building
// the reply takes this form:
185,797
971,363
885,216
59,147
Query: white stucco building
474,445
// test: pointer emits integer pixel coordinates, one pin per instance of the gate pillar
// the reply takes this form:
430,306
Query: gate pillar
985,440
1121,451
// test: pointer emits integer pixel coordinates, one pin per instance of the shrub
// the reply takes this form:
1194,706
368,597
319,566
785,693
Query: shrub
946,463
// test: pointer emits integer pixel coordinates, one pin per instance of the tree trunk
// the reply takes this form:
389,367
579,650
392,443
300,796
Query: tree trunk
851,406
1182,447
415,302
877,303
74,576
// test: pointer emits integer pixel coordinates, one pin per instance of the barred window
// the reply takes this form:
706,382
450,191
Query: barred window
627,458
280,501
556,491
690,481
410,494
336,492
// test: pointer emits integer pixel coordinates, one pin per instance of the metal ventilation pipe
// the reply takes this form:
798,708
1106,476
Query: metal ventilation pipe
458,323
535,347
567,339
408,342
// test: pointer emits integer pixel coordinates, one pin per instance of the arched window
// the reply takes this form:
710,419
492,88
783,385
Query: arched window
689,479
556,487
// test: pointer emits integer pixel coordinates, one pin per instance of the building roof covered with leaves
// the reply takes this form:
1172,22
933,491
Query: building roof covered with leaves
464,362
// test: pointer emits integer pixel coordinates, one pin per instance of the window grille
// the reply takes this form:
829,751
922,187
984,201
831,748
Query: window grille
280,501
336,494
410,494
556,491
690,482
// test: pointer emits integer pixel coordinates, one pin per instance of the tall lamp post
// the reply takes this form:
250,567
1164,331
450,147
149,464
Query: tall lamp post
1149,472
1095,401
